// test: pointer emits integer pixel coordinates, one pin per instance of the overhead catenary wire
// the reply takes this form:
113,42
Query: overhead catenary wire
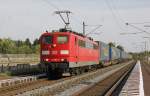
58,9
78,18
114,7
51,4
140,23
121,19
113,14
138,28
93,30
80,22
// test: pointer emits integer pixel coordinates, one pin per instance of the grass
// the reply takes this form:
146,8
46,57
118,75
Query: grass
6,74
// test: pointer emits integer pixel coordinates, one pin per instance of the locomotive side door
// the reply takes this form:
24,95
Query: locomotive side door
76,49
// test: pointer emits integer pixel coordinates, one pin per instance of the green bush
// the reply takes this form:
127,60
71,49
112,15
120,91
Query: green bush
8,46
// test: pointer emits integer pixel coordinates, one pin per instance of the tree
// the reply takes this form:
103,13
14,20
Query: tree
25,49
8,46
111,44
35,42
120,47
36,49
27,42
19,43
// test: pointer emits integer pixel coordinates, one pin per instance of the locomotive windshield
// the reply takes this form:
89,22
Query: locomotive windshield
47,39
62,39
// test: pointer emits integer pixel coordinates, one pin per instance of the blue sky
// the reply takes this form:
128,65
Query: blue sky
20,19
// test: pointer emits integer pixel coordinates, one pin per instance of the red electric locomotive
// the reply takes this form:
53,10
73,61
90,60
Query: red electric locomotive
66,51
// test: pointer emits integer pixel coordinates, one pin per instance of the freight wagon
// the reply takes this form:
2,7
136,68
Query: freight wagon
125,56
65,51
104,53
114,54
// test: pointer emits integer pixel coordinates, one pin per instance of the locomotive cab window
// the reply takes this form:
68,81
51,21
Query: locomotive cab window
62,39
47,39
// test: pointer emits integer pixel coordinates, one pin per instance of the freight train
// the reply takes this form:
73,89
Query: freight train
65,51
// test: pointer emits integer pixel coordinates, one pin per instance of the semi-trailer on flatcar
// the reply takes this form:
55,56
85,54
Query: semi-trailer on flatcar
103,53
114,54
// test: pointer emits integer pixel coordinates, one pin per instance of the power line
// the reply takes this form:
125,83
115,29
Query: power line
98,26
58,9
51,4
77,20
137,28
113,14
74,18
116,9
139,22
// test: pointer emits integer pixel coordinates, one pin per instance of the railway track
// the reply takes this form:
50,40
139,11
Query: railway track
117,86
14,83
109,86
146,66
59,87
44,87
19,87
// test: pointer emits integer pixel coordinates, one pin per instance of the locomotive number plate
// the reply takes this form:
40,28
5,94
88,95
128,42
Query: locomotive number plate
45,52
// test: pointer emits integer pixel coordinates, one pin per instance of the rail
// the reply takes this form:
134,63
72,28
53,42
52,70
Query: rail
122,79
84,79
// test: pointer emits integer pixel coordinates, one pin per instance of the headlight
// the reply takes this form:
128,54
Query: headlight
45,52
46,59
64,51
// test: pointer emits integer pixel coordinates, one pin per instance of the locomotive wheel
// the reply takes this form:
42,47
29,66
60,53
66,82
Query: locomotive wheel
54,74
58,73
50,74
77,71
81,70
72,71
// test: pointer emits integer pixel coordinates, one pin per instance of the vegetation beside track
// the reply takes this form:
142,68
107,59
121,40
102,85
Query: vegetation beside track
8,46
